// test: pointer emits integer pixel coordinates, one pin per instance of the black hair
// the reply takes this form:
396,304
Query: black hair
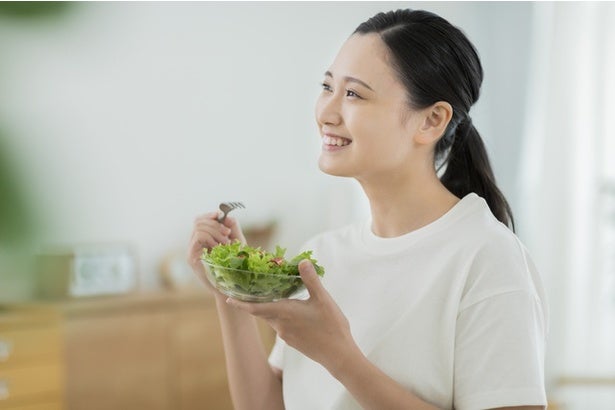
436,62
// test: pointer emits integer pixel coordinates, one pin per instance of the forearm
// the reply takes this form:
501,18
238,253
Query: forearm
371,387
252,382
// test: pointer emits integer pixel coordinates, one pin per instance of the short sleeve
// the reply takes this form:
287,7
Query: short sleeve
499,352
276,357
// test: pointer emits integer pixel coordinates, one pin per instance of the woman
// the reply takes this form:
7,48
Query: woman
433,303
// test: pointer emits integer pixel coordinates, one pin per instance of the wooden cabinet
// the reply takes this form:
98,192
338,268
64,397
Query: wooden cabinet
31,359
159,351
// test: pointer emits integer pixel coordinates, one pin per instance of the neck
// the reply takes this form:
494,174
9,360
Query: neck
405,203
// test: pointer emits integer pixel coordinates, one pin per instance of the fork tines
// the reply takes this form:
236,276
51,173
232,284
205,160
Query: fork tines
234,205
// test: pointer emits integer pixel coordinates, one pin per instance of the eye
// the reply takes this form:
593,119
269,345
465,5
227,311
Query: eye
326,87
350,93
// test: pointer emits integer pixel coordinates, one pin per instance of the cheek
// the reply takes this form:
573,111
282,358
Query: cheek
381,134
384,148
384,143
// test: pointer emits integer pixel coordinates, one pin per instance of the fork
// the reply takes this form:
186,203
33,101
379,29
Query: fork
227,207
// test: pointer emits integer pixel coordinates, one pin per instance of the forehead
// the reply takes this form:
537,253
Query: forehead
364,56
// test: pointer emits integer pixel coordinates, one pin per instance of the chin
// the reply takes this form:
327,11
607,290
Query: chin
333,169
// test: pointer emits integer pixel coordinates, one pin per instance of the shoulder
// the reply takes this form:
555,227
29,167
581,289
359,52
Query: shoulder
499,262
484,237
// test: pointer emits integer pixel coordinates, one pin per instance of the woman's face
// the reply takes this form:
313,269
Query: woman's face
363,115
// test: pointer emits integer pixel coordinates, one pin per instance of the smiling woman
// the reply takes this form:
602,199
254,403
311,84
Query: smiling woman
433,302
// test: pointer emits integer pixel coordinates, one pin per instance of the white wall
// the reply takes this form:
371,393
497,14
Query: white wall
128,119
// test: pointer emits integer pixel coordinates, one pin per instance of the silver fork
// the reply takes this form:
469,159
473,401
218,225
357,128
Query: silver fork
227,207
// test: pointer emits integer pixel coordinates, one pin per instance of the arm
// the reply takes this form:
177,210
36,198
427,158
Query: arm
252,382
372,388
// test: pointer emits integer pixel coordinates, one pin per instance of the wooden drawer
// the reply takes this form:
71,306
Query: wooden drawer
24,384
119,361
47,405
28,344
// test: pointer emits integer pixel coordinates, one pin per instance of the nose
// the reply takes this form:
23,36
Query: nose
328,110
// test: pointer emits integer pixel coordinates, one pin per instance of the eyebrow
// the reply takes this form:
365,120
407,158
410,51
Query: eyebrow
350,79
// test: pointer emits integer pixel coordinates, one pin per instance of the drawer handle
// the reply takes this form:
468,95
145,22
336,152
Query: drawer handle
4,389
5,350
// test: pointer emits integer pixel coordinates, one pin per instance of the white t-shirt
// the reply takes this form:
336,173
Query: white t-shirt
454,311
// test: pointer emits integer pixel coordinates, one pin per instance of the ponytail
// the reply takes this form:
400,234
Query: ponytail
468,170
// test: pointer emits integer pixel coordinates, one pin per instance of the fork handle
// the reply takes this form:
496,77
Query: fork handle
221,219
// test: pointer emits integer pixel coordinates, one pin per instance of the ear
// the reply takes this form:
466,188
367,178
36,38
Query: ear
434,121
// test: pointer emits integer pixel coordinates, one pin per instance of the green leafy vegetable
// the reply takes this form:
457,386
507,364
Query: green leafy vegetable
241,270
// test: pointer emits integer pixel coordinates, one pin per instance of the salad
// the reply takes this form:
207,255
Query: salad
249,273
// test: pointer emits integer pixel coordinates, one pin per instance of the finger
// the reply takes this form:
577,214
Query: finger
210,216
211,224
205,239
233,225
310,279
219,232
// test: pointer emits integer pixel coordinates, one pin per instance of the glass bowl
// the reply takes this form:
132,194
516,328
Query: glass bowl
252,286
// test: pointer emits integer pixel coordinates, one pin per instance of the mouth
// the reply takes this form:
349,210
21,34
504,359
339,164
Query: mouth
335,140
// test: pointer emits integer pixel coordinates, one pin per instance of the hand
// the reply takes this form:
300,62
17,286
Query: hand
316,327
207,233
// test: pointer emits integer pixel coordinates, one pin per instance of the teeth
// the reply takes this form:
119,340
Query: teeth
335,141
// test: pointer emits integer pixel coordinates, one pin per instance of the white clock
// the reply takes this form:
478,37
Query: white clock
102,271
87,271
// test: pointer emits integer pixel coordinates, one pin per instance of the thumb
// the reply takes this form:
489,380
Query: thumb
310,279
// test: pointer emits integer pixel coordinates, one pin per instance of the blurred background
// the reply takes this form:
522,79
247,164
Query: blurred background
121,122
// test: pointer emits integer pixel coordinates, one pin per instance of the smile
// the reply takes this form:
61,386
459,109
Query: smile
335,141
